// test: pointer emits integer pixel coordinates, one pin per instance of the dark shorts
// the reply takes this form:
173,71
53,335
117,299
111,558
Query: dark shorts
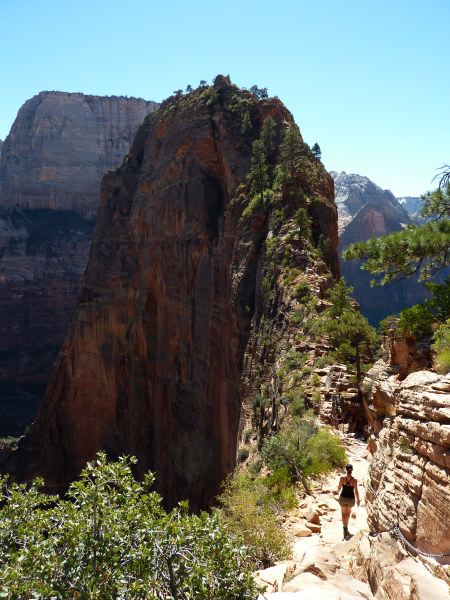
346,501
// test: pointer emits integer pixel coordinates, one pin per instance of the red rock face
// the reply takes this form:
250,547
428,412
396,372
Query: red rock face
50,171
153,362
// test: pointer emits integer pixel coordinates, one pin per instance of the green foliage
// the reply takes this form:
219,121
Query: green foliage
246,123
291,275
110,538
416,249
340,298
441,347
416,321
259,170
301,450
291,150
303,224
302,291
348,330
255,204
294,360
243,454
439,303
250,512
325,452
260,93
317,152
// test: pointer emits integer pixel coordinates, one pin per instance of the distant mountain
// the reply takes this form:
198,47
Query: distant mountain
365,211
51,165
412,205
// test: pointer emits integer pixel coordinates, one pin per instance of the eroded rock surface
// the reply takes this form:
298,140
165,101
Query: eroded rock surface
410,474
51,164
153,362
61,145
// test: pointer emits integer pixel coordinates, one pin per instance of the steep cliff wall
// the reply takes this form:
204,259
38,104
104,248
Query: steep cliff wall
50,169
173,293
365,211
61,145
410,472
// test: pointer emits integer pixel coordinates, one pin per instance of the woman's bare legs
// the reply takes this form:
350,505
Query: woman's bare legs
346,511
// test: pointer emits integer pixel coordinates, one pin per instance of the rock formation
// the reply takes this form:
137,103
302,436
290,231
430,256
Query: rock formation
51,164
410,473
61,145
412,205
365,211
172,295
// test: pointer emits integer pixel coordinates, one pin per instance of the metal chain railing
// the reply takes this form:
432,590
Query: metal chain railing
396,533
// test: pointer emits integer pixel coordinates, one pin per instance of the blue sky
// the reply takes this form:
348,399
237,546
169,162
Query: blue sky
369,81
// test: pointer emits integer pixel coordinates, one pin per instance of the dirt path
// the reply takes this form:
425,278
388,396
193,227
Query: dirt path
319,569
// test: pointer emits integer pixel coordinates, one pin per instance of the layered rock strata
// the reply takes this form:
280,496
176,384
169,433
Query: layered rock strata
51,165
173,290
61,145
366,211
410,473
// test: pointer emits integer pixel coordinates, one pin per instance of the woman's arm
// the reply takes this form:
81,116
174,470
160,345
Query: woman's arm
340,484
355,487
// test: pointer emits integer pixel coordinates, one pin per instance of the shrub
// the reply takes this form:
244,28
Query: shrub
246,509
416,321
441,346
254,205
325,452
243,454
110,538
294,360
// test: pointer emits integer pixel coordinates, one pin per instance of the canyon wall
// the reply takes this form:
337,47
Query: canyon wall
365,211
173,293
60,146
410,472
51,165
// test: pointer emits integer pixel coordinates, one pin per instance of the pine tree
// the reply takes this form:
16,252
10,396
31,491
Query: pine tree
317,151
246,123
290,153
268,139
423,249
259,175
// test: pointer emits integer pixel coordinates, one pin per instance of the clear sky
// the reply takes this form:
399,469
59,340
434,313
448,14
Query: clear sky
368,80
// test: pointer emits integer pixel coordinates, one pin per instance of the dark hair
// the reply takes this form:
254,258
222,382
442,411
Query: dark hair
349,467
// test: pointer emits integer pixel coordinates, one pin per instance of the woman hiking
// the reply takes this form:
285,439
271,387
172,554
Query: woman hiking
349,494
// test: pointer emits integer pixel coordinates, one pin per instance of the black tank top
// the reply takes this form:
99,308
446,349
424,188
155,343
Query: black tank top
348,490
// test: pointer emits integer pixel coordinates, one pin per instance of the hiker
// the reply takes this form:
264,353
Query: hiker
349,493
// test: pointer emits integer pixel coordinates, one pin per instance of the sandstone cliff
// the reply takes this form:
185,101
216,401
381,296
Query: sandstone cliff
365,211
61,145
50,169
174,291
410,473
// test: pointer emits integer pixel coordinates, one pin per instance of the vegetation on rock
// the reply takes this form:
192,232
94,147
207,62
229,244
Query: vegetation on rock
110,538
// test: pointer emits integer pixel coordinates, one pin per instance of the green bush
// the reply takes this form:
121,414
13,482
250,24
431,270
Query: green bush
416,321
243,454
325,452
110,538
294,360
254,205
247,511
441,347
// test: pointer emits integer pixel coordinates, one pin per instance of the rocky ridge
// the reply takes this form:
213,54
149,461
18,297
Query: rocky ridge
178,293
51,165
365,211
